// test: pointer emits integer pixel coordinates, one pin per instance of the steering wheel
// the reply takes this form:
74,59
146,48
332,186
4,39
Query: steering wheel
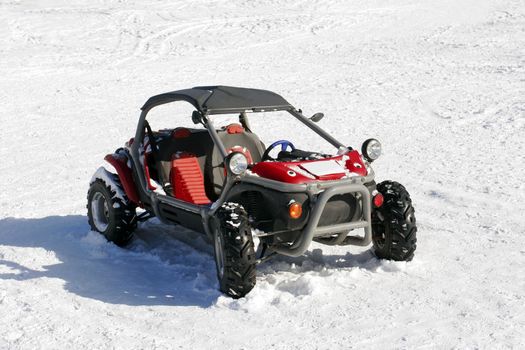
284,145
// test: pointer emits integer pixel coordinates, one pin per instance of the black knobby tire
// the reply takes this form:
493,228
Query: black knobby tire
394,224
234,250
109,214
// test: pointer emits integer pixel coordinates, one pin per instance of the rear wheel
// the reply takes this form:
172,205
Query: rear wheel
234,250
394,224
109,212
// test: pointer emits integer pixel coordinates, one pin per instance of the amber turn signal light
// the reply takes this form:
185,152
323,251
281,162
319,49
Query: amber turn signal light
295,210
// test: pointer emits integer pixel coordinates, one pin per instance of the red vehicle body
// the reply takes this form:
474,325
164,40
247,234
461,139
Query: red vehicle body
350,163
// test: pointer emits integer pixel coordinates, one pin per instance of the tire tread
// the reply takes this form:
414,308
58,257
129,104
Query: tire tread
123,213
395,218
239,253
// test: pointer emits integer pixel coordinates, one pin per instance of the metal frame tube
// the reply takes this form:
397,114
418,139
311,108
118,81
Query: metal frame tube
215,137
135,158
311,230
316,128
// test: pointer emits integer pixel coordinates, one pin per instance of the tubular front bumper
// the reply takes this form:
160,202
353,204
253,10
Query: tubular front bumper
320,193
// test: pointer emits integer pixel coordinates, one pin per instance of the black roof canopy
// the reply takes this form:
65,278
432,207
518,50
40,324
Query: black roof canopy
222,99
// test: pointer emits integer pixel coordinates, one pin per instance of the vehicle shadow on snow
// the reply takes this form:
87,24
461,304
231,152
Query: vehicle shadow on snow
93,268
164,265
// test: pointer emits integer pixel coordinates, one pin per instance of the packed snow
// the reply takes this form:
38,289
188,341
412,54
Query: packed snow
440,83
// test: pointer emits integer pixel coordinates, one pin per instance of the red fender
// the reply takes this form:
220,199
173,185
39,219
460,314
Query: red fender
119,162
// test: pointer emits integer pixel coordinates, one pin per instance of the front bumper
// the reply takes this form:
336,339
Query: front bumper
319,194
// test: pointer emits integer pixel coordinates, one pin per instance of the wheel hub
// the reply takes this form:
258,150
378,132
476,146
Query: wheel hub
100,212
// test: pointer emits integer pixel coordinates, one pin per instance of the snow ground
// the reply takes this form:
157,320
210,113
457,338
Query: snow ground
440,83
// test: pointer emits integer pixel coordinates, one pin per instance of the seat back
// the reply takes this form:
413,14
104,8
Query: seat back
211,162
195,141
187,180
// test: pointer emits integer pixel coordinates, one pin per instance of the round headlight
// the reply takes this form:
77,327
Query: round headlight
238,163
371,149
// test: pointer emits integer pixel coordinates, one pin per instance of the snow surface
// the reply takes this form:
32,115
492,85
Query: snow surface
440,83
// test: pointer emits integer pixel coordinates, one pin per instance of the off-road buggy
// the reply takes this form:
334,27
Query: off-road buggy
226,184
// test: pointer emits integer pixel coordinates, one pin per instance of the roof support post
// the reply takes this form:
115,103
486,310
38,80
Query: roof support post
135,154
316,128
215,137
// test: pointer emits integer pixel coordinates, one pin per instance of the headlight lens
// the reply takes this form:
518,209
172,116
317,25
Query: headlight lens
371,149
238,163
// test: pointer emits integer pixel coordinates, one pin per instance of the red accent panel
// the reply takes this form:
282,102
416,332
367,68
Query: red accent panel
187,180
279,171
234,129
119,162
181,133
355,163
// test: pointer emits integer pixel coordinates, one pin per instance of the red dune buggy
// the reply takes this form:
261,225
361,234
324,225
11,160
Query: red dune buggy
225,183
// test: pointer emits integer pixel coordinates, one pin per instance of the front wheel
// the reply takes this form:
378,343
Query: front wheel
394,224
234,250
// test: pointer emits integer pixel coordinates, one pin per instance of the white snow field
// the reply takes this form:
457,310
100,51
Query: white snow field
440,83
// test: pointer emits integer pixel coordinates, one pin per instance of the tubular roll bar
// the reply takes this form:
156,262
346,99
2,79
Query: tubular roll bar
316,128
324,190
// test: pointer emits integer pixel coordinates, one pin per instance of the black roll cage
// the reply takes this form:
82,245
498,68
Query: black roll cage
208,124
202,214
